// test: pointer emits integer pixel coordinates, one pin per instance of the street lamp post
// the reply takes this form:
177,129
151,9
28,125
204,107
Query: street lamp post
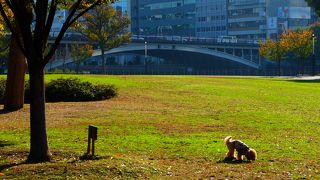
145,57
313,55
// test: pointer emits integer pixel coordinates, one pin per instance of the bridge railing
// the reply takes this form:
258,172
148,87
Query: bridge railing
226,40
221,40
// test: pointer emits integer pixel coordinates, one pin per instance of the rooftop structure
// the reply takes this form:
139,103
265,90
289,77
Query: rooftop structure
245,19
163,17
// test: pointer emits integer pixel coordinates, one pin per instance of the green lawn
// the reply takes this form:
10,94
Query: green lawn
163,126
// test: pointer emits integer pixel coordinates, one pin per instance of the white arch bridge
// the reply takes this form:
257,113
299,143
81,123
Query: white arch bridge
245,55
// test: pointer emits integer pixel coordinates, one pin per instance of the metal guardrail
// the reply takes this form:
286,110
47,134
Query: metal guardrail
222,40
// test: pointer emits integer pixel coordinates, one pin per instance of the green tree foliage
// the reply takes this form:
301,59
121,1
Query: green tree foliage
299,43
105,27
274,51
30,26
315,4
80,53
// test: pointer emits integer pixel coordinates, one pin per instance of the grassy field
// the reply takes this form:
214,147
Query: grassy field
173,126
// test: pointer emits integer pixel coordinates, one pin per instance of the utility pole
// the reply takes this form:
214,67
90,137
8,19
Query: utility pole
145,57
313,55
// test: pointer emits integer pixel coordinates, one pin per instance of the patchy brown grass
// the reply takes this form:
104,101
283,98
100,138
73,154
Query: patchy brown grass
69,165
14,120
175,131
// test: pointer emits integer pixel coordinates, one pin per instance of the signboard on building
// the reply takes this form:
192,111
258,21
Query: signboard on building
283,12
272,23
300,12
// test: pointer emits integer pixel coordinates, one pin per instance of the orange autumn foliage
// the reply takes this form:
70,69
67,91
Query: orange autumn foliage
273,50
299,43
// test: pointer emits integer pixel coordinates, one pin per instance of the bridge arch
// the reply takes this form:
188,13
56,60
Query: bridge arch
165,49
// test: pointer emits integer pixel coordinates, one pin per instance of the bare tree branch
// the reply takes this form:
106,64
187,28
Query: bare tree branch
69,21
83,12
64,28
12,29
23,18
50,19
39,31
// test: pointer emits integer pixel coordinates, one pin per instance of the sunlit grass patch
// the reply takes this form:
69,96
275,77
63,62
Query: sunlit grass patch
164,126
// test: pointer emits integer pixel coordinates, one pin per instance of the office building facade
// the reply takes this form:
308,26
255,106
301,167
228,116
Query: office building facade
260,19
287,14
163,17
247,19
211,18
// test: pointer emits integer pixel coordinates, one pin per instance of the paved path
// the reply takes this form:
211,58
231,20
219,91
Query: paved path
307,78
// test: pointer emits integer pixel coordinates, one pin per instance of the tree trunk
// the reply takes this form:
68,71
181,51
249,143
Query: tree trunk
64,65
103,61
302,66
14,94
39,149
279,68
77,66
313,64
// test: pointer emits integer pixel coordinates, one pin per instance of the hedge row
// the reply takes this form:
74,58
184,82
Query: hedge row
2,88
69,90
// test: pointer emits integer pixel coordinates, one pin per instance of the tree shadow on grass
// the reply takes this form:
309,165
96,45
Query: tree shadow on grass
232,161
304,81
60,156
4,111
7,166
7,111
5,143
6,154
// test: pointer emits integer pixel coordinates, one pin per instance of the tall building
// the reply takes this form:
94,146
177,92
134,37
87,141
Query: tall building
287,14
163,17
61,15
248,19
121,6
255,19
211,18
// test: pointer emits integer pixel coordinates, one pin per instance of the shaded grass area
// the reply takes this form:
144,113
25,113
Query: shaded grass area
163,126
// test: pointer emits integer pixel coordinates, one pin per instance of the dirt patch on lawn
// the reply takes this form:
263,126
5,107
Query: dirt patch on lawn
175,128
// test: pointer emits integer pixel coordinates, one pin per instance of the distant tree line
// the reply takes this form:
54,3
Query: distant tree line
104,27
297,45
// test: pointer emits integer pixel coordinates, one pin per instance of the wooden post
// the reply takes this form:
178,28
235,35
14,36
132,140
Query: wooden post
89,142
92,148
92,135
